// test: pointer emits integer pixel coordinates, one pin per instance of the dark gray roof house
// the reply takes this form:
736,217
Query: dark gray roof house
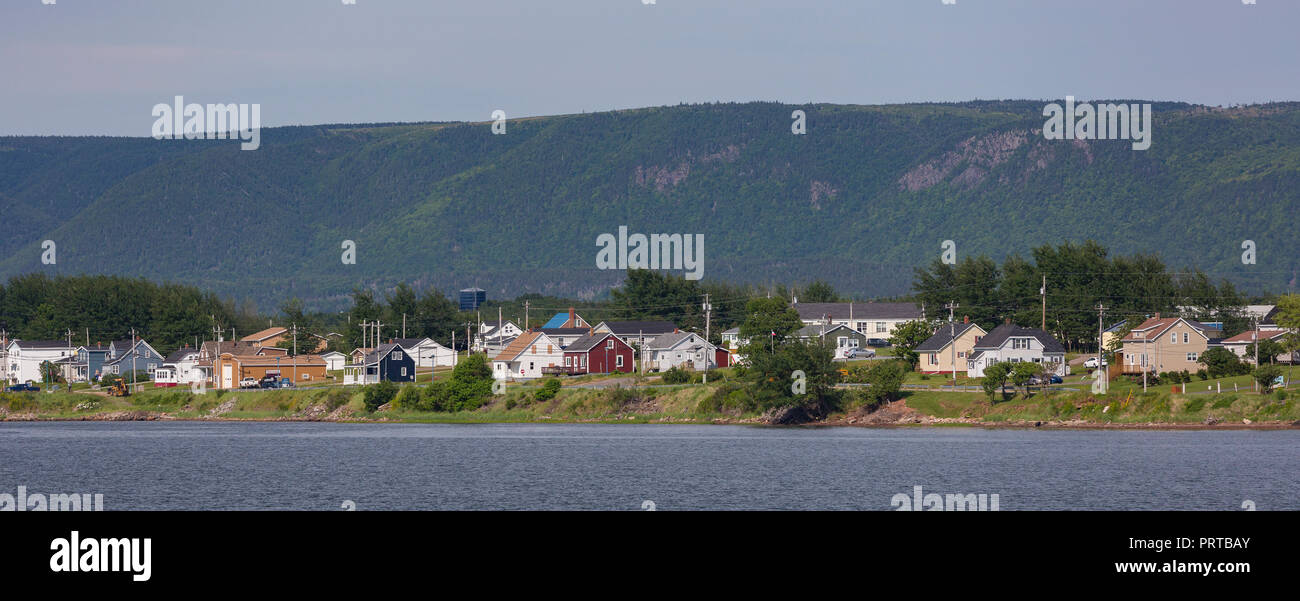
943,336
999,335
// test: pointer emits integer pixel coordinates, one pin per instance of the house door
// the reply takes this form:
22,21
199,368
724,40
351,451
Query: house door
227,376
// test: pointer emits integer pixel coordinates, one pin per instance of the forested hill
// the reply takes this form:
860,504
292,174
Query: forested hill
866,195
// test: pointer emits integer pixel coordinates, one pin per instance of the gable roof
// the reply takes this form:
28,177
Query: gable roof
626,328
815,330
869,310
590,341
236,347
133,351
519,345
271,332
42,344
999,335
671,340
181,354
565,331
380,352
410,343
1154,327
943,336
1248,336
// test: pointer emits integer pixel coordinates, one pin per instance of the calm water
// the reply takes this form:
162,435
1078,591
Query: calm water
143,465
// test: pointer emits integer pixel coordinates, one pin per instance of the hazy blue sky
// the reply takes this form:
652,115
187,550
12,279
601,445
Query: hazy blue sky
99,66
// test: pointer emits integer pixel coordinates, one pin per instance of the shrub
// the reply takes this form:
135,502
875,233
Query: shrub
376,395
1202,374
676,375
549,389
410,398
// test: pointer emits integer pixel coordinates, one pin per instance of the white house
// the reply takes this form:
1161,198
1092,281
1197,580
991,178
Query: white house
636,333
1241,344
25,358
685,349
334,360
528,357
1014,344
179,368
493,337
427,352
873,320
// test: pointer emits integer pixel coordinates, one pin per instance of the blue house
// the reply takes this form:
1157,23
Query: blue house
389,362
90,363
123,356
567,320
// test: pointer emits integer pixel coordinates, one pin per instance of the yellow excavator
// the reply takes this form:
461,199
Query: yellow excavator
118,388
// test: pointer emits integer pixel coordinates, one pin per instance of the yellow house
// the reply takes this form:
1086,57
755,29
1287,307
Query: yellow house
1163,345
951,342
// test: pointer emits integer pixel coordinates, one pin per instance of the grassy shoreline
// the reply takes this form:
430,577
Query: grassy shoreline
683,404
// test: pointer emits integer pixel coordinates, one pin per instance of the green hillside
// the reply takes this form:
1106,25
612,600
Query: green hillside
869,193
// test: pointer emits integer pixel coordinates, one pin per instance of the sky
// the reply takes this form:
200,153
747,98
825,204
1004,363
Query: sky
97,67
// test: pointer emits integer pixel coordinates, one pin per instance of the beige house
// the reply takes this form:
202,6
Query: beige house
951,342
1161,345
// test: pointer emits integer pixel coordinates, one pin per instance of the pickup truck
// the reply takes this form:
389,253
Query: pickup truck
24,387
248,383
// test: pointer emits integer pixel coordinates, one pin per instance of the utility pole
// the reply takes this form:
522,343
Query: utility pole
1101,310
295,354
952,331
1043,292
133,355
67,372
526,316
403,325
1254,386
707,310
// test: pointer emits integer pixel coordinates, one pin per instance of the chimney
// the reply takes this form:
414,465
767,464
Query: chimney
1008,321
571,318
966,319
1157,315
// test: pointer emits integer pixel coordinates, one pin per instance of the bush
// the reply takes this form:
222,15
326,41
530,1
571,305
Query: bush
676,375
1202,374
410,398
377,395
549,389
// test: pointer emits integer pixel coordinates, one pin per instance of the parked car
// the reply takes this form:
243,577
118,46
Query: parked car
24,387
856,353
269,382
249,382
879,342
1040,380
1091,363
286,383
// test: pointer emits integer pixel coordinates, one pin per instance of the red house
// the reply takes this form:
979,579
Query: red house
596,354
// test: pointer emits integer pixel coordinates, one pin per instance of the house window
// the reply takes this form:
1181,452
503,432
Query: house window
568,361
1185,337
881,327
403,371
398,355
530,366
1173,338
934,359
1191,357
862,326
609,344
961,354
618,360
